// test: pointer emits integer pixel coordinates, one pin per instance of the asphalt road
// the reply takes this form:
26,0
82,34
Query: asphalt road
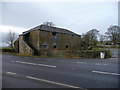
115,53
36,72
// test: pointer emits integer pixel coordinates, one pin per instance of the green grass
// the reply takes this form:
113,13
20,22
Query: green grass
18,54
5,48
98,49
113,47
100,42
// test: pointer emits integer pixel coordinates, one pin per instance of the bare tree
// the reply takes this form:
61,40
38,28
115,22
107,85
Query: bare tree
114,33
48,24
10,38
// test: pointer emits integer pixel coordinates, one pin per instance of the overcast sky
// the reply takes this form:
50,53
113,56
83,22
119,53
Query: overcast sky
78,17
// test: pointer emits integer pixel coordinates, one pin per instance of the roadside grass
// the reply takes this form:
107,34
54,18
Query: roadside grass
58,56
98,49
18,54
102,47
100,42
113,47
43,56
62,57
5,48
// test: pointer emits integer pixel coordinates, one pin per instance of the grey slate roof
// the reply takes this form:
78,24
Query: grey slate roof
50,29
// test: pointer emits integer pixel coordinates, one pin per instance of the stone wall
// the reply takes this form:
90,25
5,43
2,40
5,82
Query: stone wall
34,39
16,46
43,42
61,40
73,42
24,47
87,53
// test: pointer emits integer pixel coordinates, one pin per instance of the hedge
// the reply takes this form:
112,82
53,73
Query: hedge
6,50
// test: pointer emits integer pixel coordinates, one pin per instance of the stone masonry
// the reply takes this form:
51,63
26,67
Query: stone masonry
47,40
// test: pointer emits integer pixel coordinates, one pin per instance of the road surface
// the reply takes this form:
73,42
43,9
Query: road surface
38,72
115,53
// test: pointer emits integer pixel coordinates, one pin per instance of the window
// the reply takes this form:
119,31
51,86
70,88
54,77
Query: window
44,45
54,45
66,46
54,33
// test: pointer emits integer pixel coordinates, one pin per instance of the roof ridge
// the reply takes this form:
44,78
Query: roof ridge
51,29
60,29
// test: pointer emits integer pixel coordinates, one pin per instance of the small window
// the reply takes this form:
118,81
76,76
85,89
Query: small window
44,45
54,33
72,35
66,46
54,46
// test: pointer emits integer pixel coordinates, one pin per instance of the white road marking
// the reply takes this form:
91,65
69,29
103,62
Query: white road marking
100,64
11,73
95,63
52,82
36,64
47,65
81,62
104,64
106,73
43,80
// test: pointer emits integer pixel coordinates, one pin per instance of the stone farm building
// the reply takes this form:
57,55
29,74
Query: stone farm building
47,40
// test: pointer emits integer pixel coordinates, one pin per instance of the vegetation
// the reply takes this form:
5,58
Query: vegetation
113,33
5,48
48,24
89,39
102,38
11,37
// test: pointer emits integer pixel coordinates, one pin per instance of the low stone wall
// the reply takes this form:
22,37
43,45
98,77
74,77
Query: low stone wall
76,54
87,53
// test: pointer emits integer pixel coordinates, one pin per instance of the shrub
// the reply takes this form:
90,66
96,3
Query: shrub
6,50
